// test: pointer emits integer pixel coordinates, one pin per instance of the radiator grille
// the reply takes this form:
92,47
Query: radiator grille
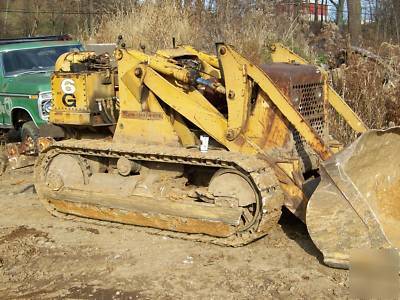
310,103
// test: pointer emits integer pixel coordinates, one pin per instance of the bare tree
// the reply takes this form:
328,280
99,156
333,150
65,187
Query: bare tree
339,6
354,9
6,17
316,16
388,20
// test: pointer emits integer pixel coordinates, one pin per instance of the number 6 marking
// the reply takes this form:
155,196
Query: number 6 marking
68,86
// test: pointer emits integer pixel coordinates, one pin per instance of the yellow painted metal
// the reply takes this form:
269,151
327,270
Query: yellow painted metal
161,64
75,94
133,61
264,130
145,80
204,115
142,119
264,126
174,52
193,106
155,92
283,104
200,112
160,76
210,59
345,111
239,70
281,53
65,61
70,118
187,138
238,90
210,62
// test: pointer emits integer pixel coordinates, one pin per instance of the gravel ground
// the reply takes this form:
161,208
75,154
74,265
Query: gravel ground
43,257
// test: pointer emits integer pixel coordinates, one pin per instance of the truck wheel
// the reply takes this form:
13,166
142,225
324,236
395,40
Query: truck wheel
13,136
29,132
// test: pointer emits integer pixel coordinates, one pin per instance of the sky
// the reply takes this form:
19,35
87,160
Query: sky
366,10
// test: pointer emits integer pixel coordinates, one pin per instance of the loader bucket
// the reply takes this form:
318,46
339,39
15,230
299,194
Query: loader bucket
356,206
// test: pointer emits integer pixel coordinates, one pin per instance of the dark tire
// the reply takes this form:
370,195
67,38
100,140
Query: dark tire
13,136
29,131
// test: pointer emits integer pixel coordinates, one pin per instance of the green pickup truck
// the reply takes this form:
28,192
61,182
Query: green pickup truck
25,92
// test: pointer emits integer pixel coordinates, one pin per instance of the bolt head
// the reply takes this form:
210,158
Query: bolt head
230,135
138,72
118,54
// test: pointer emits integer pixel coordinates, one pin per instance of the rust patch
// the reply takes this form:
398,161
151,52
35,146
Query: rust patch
172,223
285,75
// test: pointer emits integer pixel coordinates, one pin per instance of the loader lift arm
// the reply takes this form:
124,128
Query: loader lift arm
276,96
237,70
237,75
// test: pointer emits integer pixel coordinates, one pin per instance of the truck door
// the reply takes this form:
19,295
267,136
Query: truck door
5,100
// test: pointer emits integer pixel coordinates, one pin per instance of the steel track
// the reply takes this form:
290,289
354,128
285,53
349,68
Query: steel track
257,171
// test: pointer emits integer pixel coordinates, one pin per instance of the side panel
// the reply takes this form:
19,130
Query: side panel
142,118
5,108
23,103
10,102
2,107
75,97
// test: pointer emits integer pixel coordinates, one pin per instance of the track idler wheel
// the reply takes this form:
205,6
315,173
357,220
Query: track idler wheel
231,188
65,170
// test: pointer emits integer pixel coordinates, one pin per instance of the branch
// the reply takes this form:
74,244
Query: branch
334,3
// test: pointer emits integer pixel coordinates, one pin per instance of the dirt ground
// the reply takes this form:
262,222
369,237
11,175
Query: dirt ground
42,257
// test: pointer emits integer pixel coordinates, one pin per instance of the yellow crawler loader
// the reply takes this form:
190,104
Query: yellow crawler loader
211,148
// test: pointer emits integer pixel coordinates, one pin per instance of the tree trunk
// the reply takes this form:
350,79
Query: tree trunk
5,19
354,8
298,8
316,16
91,11
199,6
316,26
339,13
